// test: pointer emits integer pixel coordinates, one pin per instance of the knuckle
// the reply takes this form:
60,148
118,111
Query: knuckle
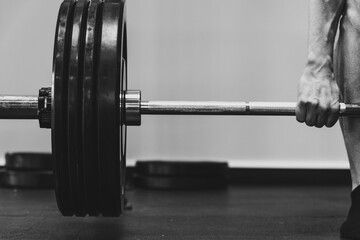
313,103
301,103
323,107
335,108
299,111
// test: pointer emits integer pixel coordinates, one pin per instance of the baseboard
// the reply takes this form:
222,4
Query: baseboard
289,176
258,176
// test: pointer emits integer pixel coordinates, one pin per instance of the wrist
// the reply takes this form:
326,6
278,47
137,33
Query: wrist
319,63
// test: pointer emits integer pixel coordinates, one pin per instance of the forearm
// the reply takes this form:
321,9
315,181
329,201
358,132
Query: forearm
318,94
324,19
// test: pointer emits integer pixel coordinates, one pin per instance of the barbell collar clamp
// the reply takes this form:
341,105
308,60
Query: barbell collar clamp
132,106
44,107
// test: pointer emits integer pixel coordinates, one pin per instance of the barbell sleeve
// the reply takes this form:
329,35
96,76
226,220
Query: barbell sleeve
18,107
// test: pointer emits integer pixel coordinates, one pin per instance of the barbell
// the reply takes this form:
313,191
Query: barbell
89,107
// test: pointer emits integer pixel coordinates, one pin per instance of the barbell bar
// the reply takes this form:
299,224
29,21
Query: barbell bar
88,107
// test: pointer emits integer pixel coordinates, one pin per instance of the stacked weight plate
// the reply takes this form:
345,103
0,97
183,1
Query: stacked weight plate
88,134
27,170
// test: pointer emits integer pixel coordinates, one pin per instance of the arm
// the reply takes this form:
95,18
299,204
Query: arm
318,93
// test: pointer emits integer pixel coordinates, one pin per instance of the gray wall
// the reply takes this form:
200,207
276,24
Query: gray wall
231,50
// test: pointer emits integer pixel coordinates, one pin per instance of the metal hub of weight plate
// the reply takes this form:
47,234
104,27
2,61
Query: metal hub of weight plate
88,134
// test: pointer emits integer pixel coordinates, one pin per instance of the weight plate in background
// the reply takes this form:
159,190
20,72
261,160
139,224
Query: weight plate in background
181,168
74,109
26,179
62,46
89,117
28,161
108,110
180,182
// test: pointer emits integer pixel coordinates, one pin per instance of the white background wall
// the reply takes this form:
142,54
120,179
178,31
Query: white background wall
231,50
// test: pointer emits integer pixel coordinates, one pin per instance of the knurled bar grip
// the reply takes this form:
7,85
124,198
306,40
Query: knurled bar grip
26,107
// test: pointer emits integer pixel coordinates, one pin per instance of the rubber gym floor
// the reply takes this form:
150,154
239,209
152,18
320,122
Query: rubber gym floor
255,211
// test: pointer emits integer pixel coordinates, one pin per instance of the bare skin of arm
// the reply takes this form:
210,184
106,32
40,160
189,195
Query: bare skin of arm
318,93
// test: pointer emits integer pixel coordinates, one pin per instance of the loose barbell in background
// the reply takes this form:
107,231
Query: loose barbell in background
89,106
